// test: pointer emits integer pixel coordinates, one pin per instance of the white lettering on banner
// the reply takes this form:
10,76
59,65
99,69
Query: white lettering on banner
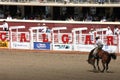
20,45
110,49
62,47
82,47
88,48
41,45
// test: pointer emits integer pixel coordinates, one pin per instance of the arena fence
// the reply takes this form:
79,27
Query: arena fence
61,1
39,38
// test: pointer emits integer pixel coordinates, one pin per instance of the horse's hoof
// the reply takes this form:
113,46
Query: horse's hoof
94,70
102,71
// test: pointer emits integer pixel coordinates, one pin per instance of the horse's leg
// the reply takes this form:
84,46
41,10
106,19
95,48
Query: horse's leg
103,64
94,65
107,66
92,62
98,64
108,61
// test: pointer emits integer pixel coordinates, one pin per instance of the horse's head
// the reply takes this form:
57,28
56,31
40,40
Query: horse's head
91,59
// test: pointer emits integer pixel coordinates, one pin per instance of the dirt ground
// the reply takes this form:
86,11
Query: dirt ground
50,65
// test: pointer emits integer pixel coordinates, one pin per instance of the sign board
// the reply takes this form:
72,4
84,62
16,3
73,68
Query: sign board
64,47
41,45
20,45
110,49
4,44
83,47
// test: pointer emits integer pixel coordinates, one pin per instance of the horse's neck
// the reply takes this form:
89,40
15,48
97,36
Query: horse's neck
100,49
100,52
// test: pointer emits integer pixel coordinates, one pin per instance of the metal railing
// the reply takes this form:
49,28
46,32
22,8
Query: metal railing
64,1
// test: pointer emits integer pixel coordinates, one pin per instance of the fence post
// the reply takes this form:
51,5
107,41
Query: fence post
118,43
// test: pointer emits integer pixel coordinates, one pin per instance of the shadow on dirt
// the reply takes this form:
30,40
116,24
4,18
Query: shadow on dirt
95,71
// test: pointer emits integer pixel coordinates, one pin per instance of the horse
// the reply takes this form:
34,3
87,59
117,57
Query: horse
102,55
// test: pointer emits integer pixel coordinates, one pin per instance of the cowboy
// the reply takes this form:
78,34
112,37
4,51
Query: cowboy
99,45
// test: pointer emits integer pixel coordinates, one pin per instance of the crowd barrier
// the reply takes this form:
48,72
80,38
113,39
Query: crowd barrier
36,38
61,1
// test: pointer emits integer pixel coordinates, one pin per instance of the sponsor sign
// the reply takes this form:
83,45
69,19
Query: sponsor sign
42,29
62,47
84,48
88,48
3,44
110,49
20,45
42,45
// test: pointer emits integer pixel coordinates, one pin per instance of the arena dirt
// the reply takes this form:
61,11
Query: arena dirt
51,65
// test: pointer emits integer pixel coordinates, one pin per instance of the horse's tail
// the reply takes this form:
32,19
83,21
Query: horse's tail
113,56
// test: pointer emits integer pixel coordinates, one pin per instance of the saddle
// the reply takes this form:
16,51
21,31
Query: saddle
97,53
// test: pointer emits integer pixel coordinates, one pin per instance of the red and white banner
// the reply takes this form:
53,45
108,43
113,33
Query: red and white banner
76,40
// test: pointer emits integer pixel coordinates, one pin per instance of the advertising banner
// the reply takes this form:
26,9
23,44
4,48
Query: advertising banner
83,47
4,44
110,49
42,45
20,45
62,47
88,48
